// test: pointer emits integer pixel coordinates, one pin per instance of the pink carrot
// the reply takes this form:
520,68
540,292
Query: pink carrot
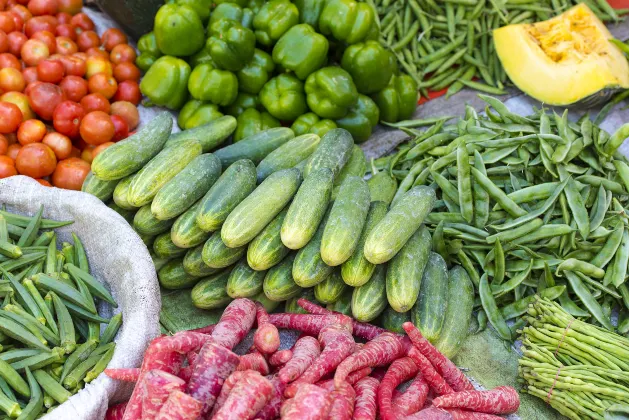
414,398
228,385
380,351
337,343
204,330
272,408
307,323
180,406
343,399
280,358
310,403
214,364
305,352
400,371
247,397
429,373
430,413
458,414
236,321
185,373
125,375
500,400
266,338
115,412
452,375
366,406
253,361
157,387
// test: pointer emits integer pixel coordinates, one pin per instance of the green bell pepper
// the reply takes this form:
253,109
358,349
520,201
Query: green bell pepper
255,5
256,73
370,65
149,52
178,30
208,83
251,122
195,113
231,45
232,11
144,61
284,98
346,20
241,3
273,20
243,102
310,11
201,57
330,92
202,7
361,119
311,123
166,82
398,100
301,50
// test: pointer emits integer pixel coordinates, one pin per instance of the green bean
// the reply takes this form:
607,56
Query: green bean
577,206
499,264
466,201
597,181
620,263
451,78
615,140
586,268
482,87
597,285
586,298
438,242
491,309
494,192
443,51
467,264
453,59
407,37
457,86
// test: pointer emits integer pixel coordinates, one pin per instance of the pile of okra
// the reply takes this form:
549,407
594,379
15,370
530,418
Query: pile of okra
50,330
527,205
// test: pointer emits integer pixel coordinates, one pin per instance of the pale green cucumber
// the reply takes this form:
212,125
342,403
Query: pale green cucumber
333,152
121,193
172,276
244,281
210,135
267,249
430,311
103,190
278,283
165,248
370,299
194,265
255,147
210,292
355,166
146,224
330,289
309,269
343,304
217,255
287,155
185,232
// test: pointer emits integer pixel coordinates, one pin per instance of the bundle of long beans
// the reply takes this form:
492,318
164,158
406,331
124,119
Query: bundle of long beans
579,369
447,43
527,205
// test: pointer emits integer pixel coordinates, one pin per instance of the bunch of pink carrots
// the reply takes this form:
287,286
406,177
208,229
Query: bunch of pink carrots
195,375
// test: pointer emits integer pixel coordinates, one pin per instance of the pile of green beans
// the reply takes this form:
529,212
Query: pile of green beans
448,43
527,205
50,338
580,370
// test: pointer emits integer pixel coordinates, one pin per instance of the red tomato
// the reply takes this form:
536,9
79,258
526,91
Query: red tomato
13,150
71,7
97,65
31,131
95,102
7,24
74,66
65,46
80,55
126,71
7,167
70,174
19,22
74,87
44,97
33,51
20,100
12,80
67,30
128,111
83,21
4,145
47,38
50,71
67,118
40,23
87,40
22,12
100,148
9,60
60,144
42,7
36,160
112,37
30,75
121,126
103,84
129,91
63,17
97,52
16,41
97,128
10,117
122,53
4,42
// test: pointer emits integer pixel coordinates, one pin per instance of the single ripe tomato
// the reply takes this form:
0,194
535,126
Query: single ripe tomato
66,29
128,111
20,100
100,148
30,75
74,66
42,7
4,145
13,150
87,40
74,87
67,118
95,102
122,53
7,167
126,71
33,51
44,183
96,65
97,52
112,37
83,21
103,84
17,19
70,7
9,60
22,12
7,24
44,98
121,126
4,42
62,17
97,128
50,71
70,174
12,80
40,23
16,41
10,117
80,55
36,160
65,46
31,131
129,91
60,144
47,38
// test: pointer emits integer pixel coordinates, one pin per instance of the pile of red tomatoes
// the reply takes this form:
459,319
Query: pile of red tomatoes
66,93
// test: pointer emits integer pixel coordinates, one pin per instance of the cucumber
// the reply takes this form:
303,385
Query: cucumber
278,283
309,269
287,155
291,305
210,135
268,304
307,209
406,269
217,255
128,215
172,276
392,320
161,169
185,232
370,299
130,155
146,224
267,249
255,147
260,207
236,183
103,190
343,304
346,221
244,281
330,289
430,310
333,152
355,166
121,193
382,186
210,292
458,313
165,248
194,265
357,270
399,224
187,187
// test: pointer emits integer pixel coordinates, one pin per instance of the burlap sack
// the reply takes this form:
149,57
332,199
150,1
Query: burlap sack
118,257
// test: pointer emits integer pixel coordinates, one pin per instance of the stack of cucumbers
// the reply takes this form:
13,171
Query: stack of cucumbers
276,217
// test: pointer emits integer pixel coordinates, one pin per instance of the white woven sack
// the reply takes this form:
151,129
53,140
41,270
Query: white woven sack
118,257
